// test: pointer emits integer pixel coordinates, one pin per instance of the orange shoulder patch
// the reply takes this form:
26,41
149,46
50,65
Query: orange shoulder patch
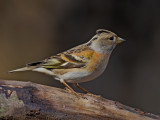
95,61
86,54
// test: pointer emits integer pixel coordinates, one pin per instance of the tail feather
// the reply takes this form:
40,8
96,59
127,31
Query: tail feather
21,69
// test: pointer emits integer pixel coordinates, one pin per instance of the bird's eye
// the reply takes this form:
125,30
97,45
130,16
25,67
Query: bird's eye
111,38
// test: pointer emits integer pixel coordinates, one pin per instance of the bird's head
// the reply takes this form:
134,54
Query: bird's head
104,41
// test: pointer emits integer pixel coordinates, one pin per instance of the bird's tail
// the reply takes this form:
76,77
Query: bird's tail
29,66
21,69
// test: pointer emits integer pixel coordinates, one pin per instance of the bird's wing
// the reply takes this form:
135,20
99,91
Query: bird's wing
74,58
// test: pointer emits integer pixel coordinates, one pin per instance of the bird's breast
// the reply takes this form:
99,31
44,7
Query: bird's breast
95,67
98,62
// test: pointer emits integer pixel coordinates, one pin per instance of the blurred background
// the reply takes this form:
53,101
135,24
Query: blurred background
31,30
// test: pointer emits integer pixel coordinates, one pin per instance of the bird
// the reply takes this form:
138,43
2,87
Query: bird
79,64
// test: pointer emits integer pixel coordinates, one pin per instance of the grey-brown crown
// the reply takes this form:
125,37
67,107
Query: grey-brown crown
99,31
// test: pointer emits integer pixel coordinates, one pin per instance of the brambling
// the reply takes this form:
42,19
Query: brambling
81,63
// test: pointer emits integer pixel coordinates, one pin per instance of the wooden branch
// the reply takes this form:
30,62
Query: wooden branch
27,100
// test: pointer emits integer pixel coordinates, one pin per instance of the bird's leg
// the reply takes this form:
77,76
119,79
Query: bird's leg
64,83
77,85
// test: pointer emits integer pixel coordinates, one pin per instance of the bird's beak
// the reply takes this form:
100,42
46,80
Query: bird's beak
120,40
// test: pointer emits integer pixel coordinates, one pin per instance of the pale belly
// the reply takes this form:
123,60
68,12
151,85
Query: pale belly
79,77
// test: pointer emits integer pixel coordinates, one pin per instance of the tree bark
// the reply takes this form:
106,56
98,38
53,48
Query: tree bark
27,100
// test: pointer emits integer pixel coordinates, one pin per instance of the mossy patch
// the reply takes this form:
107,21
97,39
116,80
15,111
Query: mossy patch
10,104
